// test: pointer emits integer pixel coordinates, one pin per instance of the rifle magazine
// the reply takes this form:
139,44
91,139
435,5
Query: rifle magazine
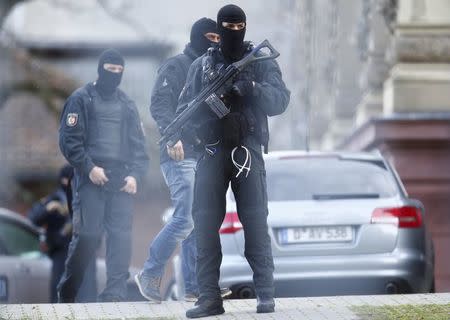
217,106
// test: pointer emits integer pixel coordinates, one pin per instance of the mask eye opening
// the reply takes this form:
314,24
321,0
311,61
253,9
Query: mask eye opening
114,68
213,37
236,26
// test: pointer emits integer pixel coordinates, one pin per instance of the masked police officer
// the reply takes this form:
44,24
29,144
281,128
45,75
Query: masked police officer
178,169
101,137
233,154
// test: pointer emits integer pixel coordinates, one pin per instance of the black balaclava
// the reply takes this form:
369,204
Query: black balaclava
108,81
198,40
231,41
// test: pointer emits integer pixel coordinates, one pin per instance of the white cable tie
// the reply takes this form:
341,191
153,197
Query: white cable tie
247,163
208,148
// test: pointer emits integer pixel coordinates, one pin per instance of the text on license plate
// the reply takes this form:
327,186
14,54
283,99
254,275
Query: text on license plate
315,234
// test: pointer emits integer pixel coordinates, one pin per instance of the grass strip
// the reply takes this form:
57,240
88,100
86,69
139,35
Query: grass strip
403,312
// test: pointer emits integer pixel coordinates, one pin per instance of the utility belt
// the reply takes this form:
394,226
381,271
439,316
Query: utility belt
115,171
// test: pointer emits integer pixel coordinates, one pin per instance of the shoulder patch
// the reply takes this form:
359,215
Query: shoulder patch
164,84
72,119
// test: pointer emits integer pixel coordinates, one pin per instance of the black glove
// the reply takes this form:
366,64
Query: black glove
243,88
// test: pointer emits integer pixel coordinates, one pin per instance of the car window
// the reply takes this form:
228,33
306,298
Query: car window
17,240
305,179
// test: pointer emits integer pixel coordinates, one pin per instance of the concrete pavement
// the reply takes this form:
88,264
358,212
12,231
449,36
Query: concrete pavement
379,307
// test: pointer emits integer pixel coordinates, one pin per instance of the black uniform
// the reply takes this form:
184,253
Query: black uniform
88,288
100,126
164,100
246,126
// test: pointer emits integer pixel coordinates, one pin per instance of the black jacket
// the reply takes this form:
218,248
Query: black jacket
270,96
73,134
164,99
58,222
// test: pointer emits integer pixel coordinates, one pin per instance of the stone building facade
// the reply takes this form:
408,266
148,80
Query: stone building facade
405,112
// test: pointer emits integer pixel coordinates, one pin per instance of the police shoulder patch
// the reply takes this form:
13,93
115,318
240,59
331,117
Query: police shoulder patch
72,119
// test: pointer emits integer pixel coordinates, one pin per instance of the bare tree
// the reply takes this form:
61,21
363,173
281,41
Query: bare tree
119,12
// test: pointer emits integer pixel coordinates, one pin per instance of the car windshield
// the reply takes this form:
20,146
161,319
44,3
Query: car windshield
328,178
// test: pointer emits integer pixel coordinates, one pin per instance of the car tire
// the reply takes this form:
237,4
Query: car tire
243,292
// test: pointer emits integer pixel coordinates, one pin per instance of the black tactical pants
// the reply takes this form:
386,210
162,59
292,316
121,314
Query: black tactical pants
88,288
97,210
214,173
58,258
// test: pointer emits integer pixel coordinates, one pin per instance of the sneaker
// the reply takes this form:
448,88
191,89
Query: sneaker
265,305
206,308
149,286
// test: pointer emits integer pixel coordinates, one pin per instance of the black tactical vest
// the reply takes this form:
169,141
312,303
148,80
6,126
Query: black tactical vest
253,125
105,132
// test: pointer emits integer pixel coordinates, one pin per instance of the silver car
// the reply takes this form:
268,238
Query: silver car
340,223
25,272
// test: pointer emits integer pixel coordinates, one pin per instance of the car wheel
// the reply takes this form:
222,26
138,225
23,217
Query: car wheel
171,293
243,292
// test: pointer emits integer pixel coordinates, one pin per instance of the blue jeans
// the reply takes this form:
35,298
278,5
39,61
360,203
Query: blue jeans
180,178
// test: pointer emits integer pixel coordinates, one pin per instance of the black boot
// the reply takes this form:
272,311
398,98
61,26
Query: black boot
205,308
224,293
265,305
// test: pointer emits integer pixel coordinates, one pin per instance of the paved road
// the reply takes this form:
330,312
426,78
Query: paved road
329,308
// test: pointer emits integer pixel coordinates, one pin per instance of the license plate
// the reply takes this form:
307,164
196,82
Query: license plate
316,234
3,289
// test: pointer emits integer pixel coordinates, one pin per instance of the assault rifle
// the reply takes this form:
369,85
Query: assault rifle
212,93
